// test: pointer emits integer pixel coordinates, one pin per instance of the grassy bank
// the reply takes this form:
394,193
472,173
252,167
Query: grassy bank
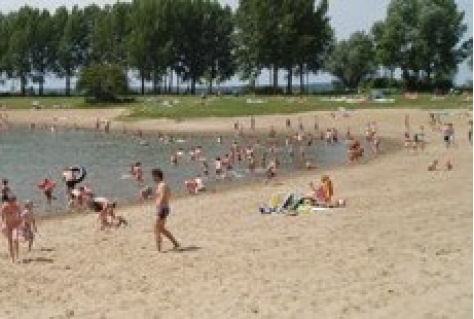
182,107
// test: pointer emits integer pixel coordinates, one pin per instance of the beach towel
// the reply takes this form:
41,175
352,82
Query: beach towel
281,204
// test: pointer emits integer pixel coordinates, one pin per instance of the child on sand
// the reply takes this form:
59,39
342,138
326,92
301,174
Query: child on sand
11,220
28,224
163,195
107,217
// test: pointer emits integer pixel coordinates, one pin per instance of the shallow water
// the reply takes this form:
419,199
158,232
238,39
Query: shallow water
28,156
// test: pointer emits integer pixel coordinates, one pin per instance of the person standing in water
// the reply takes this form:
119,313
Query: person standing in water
162,202
47,187
5,191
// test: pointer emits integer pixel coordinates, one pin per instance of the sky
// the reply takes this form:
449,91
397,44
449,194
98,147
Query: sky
347,16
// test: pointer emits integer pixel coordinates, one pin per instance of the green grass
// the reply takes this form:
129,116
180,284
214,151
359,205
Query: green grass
45,102
184,107
192,107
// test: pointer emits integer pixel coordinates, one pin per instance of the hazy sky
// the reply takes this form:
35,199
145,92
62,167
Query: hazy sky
347,15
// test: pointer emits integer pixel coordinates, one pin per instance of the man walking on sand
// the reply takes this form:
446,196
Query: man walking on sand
163,194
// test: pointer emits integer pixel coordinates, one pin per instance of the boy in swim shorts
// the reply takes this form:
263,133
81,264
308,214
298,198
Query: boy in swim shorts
163,195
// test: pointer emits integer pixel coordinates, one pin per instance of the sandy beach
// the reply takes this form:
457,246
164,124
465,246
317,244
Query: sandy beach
402,248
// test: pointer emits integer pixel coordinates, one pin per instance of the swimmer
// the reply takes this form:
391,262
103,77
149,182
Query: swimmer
47,186
146,193
195,185
70,181
137,172
205,167
5,190
328,136
271,170
218,167
174,159
251,164
80,197
309,165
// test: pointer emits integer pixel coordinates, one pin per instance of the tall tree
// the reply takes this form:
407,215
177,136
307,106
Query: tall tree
422,38
5,33
282,34
259,24
43,46
352,60
306,37
72,46
20,45
108,39
139,40
315,42
217,37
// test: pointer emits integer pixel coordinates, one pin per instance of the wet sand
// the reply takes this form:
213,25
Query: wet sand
402,248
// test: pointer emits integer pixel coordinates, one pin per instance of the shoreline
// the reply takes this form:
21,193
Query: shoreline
225,187
85,119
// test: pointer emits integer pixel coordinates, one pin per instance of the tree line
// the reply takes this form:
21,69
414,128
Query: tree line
170,42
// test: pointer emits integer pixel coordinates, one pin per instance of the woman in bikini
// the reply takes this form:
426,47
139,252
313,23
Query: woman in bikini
11,224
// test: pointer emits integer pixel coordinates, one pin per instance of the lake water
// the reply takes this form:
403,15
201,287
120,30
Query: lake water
27,156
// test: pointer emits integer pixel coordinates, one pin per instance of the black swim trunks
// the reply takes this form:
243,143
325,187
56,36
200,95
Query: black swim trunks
162,212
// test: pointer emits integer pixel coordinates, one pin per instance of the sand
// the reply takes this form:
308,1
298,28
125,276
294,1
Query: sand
402,248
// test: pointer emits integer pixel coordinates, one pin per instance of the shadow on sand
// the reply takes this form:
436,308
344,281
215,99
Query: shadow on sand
37,260
185,249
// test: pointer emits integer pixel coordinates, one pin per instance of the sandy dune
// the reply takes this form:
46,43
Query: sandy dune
402,248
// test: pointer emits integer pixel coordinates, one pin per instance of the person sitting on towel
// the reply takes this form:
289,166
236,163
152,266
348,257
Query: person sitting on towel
323,194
